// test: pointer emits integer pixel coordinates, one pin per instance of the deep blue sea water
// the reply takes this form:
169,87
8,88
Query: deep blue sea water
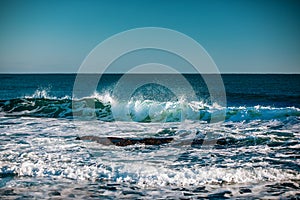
253,152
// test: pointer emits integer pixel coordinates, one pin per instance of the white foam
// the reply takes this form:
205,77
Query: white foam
49,149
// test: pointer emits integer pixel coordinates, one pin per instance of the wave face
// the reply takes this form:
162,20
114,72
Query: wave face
108,109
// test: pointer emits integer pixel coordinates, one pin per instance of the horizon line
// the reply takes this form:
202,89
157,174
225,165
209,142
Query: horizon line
120,73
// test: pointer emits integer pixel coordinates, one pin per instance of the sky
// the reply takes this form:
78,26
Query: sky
241,36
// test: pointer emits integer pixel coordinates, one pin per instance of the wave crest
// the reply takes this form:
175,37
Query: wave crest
106,108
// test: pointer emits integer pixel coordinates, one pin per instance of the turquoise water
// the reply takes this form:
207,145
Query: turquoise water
252,152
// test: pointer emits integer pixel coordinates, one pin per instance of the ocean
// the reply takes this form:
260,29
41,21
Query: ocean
56,142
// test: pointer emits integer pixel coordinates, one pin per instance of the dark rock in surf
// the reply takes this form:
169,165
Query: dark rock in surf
126,141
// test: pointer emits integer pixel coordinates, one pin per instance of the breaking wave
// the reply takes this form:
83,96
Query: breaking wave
106,108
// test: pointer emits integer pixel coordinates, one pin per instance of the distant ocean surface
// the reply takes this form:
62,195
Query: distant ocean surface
253,153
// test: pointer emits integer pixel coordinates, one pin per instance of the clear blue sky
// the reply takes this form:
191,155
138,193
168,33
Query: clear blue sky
241,36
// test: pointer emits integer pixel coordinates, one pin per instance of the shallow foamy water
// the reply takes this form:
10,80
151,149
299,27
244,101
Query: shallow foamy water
40,157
